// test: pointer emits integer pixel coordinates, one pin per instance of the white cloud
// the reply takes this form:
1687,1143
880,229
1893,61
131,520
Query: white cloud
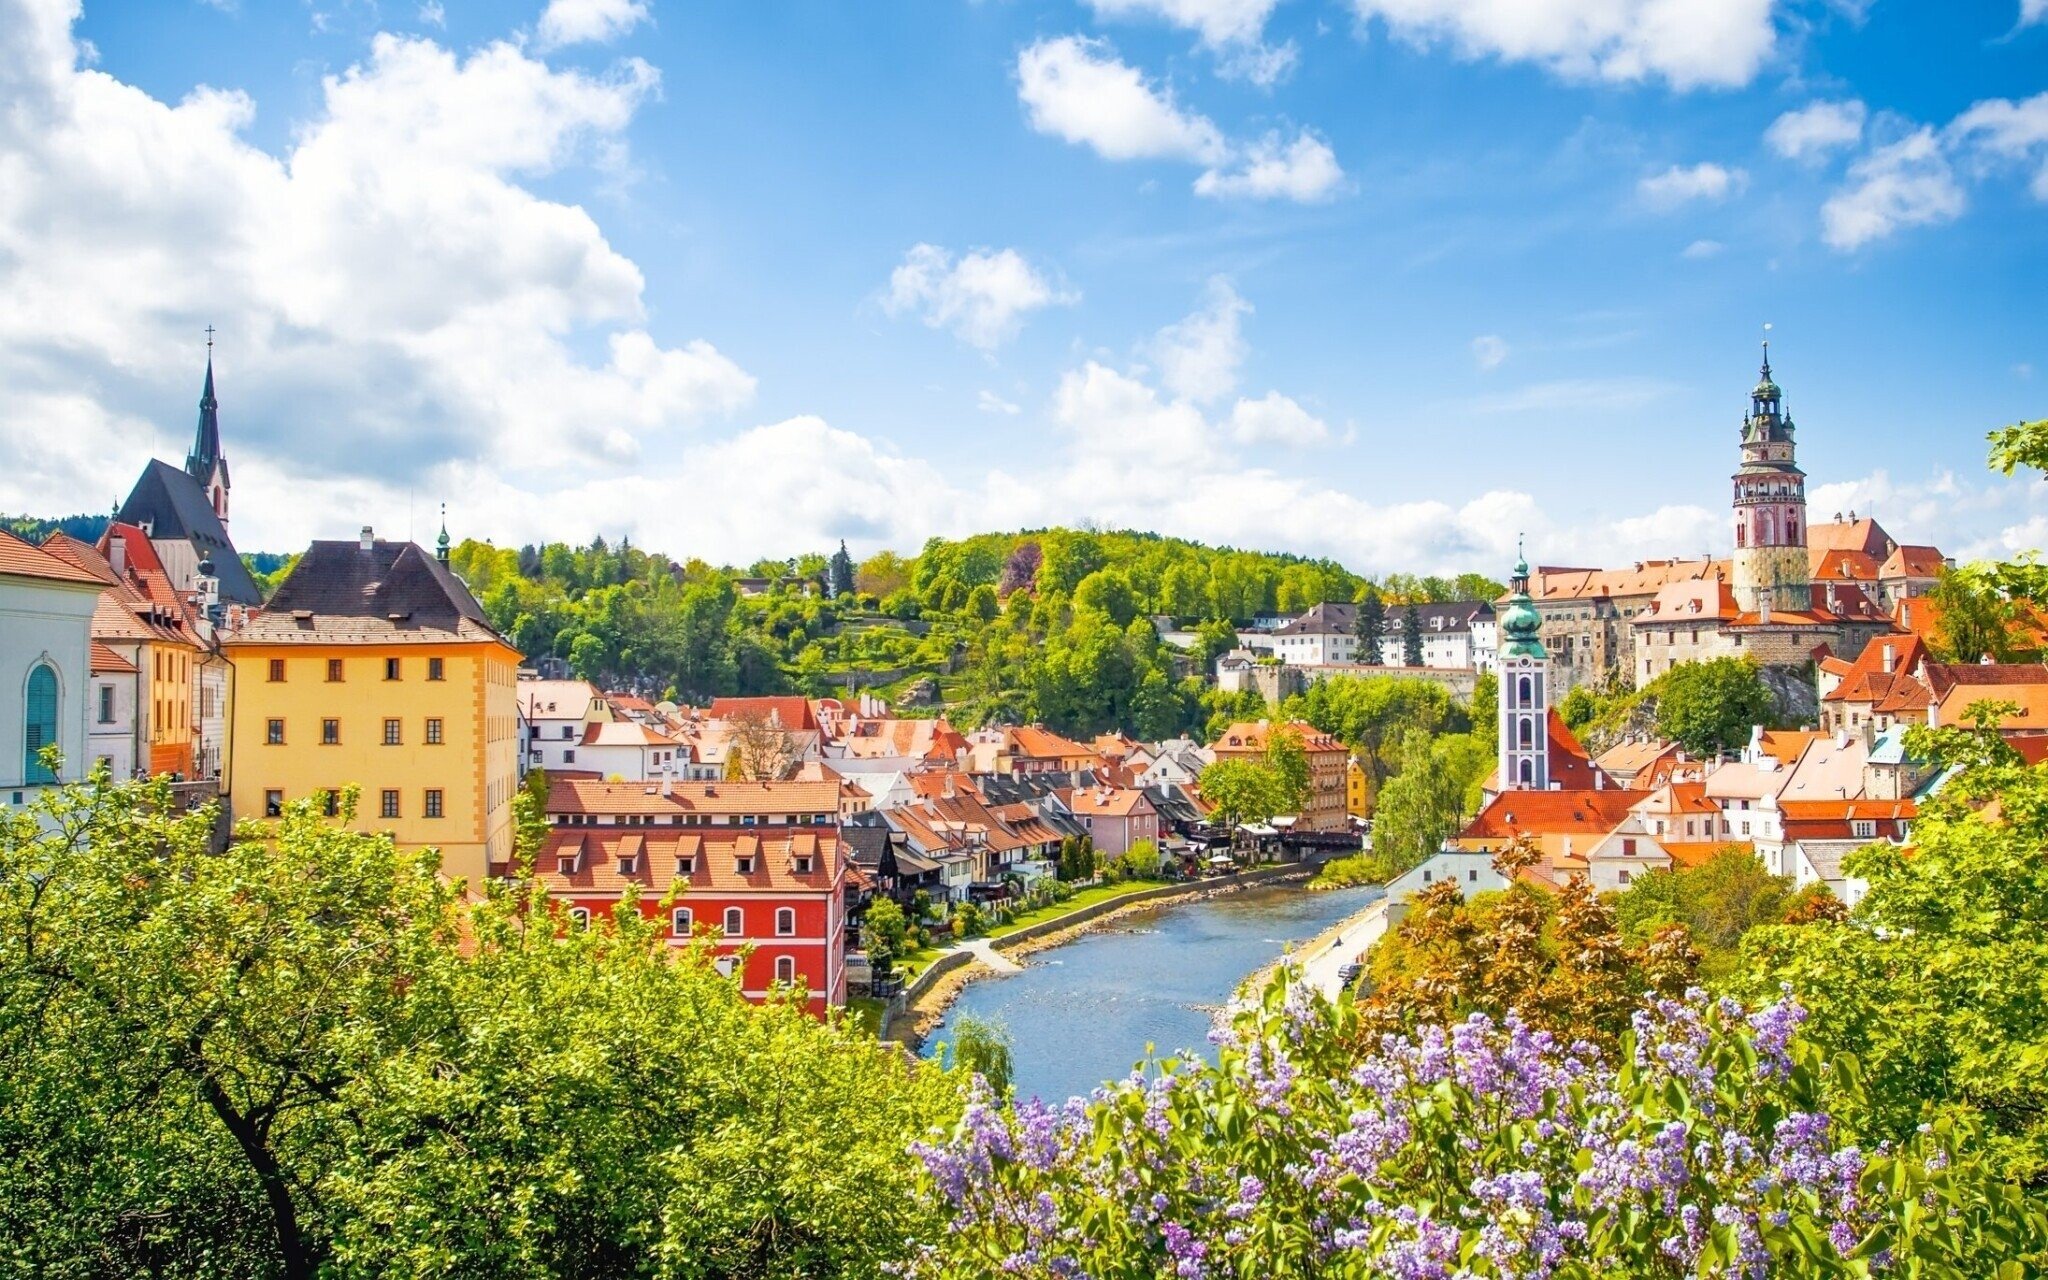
1817,129
1276,419
1304,170
2032,11
1906,183
1700,250
1078,90
990,402
1682,184
1686,43
1489,349
394,305
982,296
2004,131
1234,29
567,22
1198,357
432,14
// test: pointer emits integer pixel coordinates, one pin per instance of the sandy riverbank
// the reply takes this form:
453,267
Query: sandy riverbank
1309,952
922,1018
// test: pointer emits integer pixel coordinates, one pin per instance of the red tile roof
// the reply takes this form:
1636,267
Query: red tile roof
1912,562
106,662
576,795
1514,813
19,559
1106,802
785,712
1247,736
601,856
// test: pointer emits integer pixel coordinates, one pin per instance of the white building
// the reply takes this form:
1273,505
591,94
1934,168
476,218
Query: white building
557,713
46,684
1457,636
110,735
632,752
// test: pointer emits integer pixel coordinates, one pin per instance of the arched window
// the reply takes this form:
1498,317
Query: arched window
1523,695
1741,534
1763,530
1528,773
679,922
580,917
785,969
1527,732
41,730
785,921
734,926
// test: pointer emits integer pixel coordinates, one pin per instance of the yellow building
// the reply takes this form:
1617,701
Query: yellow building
1357,790
373,665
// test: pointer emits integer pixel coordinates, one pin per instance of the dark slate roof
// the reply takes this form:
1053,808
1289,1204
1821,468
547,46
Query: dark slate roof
864,844
1173,804
389,592
1335,616
171,504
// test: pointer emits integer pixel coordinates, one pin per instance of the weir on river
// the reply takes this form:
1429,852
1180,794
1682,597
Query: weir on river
1082,1013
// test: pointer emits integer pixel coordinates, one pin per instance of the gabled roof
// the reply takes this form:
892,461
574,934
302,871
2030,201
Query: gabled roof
599,853
556,699
1539,813
575,795
625,733
1894,691
1036,742
19,559
1844,566
173,506
106,662
1633,759
1107,802
1245,736
1863,535
784,712
388,592
1697,853
1912,562
1553,584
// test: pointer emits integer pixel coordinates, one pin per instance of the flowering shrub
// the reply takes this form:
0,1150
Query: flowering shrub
1487,1149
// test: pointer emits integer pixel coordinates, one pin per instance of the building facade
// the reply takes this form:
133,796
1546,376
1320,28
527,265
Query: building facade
373,666
1769,569
1524,671
46,684
755,870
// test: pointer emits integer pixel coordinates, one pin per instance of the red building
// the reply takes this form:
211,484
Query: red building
755,865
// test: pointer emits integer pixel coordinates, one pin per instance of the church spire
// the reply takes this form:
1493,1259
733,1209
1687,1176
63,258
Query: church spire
206,463
206,443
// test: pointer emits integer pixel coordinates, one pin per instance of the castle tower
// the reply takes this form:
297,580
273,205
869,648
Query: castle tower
1524,673
206,463
1770,569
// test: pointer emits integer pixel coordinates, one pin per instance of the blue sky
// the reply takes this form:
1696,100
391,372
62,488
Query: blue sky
1390,280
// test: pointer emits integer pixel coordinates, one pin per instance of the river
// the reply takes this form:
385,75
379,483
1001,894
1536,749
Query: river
1080,1014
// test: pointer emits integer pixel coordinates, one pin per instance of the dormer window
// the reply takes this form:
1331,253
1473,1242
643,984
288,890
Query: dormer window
745,865
686,865
803,865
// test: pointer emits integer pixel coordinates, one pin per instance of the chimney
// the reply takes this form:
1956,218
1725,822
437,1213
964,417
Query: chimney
367,540
947,786
117,554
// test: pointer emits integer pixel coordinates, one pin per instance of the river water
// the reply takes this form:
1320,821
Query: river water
1083,1013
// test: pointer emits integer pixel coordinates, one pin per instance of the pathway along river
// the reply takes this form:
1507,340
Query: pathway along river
1083,1013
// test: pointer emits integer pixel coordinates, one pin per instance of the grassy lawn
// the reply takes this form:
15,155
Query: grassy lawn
1086,898
913,964
866,1011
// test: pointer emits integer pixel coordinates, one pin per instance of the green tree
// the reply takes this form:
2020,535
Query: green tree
1710,707
884,933
1244,791
1411,636
1371,626
1287,757
1107,592
1424,804
316,1055
840,577
980,1046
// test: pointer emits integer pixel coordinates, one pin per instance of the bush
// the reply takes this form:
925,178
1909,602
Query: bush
1482,1150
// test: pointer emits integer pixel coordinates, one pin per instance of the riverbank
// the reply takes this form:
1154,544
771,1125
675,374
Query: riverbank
1321,957
933,996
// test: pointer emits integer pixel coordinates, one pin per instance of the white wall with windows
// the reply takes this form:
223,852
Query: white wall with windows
45,680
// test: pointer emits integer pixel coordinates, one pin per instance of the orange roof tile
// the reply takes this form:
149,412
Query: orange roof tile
1695,853
106,662
785,712
1110,802
19,559
576,795
1247,736
608,860
1514,813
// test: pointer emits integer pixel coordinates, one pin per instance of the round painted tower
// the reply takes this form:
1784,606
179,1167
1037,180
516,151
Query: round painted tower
1770,568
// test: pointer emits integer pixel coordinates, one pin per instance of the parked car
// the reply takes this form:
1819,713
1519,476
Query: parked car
1348,974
